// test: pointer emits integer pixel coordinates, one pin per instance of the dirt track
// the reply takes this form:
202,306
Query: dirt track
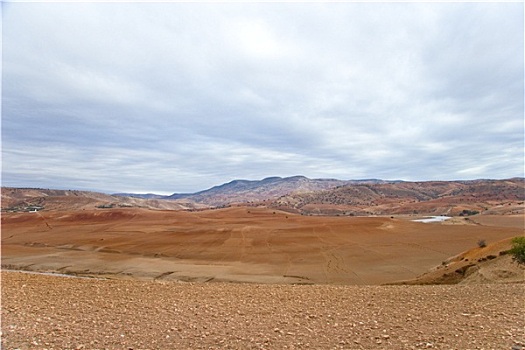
235,244
48,312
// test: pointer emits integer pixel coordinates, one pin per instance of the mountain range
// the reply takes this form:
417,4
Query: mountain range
243,191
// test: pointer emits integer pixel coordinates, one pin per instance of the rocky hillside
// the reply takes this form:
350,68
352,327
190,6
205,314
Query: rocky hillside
306,196
487,263
432,197
243,191
31,199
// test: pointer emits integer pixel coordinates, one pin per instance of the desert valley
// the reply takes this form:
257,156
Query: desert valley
276,263
262,175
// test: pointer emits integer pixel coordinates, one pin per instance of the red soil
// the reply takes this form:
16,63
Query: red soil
236,244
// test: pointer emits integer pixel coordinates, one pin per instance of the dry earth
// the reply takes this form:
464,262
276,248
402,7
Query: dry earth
487,264
51,312
239,244
147,254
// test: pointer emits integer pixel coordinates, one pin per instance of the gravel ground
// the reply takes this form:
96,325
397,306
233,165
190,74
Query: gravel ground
50,312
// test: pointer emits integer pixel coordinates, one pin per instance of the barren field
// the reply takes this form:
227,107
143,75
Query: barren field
313,281
239,244
50,312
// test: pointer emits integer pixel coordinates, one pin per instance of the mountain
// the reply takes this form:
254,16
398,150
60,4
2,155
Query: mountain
242,191
430,197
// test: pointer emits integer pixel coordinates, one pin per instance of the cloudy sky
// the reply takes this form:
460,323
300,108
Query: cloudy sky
179,97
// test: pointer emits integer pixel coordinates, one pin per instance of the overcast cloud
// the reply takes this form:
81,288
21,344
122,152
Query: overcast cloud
179,97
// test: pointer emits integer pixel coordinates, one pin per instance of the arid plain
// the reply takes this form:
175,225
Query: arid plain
238,244
254,277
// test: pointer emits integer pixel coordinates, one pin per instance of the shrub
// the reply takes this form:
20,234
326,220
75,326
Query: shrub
518,249
482,243
466,212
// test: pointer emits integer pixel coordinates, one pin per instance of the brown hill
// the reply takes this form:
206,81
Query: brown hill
432,197
299,194
244,191
483,264
29,199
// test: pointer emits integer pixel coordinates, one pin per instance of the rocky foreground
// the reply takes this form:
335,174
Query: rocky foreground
53,312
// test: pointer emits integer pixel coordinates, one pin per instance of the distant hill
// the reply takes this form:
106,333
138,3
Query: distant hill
431,197
245,191
31,199
302,195
140,195
242,191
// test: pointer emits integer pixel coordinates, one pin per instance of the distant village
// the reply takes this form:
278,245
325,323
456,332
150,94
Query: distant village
23,209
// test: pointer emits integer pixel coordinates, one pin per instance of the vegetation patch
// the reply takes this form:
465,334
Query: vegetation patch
467,212
518,250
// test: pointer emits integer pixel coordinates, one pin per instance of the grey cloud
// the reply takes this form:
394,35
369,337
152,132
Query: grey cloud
186,96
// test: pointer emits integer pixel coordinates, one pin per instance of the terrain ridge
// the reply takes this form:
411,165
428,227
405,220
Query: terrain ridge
301,195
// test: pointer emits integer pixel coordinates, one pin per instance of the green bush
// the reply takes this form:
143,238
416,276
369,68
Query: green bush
518,249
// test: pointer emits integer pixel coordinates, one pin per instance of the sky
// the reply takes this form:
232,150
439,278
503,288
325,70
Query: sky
178,97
